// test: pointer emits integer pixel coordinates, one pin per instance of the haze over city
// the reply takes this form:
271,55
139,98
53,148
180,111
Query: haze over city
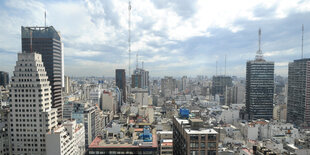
172,38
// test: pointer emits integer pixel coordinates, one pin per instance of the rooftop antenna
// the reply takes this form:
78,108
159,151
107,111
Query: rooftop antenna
259,53
129,46
44,18
302,41
137,60
225,65
216,69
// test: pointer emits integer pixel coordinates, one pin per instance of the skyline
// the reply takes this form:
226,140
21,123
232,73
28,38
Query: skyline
95,39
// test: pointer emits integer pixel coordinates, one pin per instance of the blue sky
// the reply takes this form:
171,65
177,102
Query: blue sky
173,38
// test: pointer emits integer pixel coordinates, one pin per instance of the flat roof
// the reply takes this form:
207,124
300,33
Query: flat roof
125,142
190,131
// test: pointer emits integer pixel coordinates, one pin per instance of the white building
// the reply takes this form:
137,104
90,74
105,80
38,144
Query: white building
67,139
31,113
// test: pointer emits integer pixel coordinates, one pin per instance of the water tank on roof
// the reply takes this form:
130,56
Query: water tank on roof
184,113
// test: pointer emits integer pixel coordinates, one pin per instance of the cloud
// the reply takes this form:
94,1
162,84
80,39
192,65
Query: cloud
172,38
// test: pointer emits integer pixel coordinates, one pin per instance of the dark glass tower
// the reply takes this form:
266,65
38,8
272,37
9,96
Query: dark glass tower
298,96
259,87
47,42
4,78
120,77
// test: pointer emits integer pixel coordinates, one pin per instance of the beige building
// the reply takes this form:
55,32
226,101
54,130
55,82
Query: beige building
32,115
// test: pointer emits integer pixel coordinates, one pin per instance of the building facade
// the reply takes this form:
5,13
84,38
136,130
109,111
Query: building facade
189,137
66,139
4,79
120,78
220,83
47,42
298,99
259,87
32,115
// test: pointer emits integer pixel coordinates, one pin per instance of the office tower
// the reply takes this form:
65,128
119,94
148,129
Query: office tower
168,85
4,78
120,78
259,87
183,83
220,83
32,115
47,42
231,95
190,137
140,79
298,106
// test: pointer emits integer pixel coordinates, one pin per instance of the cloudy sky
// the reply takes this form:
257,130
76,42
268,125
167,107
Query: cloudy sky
175,37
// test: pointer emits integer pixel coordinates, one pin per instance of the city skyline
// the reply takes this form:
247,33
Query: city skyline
171,38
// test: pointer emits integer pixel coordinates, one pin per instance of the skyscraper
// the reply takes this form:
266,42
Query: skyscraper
140,79
120,77
219,84
298,105
47,42
4,78
259,87
32,115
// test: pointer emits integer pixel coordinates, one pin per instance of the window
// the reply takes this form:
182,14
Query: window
211,145
194,137
211,137
202,145
194,145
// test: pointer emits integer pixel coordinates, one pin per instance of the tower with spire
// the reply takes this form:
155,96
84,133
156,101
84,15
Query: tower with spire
259,86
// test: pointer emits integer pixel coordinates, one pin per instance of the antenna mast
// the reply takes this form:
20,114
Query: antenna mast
129,45
259,53
302,41
137,60
216,69
225,64
44,18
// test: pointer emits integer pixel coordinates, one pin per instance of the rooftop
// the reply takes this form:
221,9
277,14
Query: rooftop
125,142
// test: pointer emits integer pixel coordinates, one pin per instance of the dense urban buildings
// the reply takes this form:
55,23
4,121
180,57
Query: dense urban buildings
31,112
298,106
259,87
120,78
4,78
47,42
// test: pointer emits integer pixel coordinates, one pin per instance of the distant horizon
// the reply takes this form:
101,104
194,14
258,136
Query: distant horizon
171,38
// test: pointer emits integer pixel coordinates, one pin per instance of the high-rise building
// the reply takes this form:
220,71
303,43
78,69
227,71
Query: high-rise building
140,79
190,137
259,87
120,78
168,85
298,105
220,83
32,115
47,42
4,78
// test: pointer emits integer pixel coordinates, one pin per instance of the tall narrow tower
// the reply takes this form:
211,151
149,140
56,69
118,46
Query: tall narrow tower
129,38
259,86
32,115
47,42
